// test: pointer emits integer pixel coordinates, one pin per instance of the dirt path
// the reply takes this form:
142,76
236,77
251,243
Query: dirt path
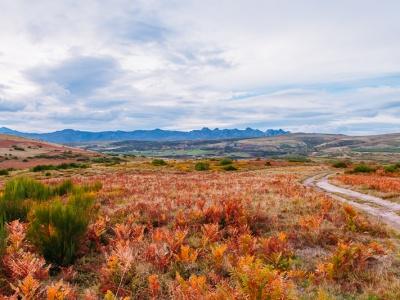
384,210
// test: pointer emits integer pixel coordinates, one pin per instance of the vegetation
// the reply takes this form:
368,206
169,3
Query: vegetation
3,235
363,168
63,166
57,228
21,193
18,148
136,231
159,162
4,172
392,168
226,161
230,168
298,159
202,166
111,160
340,164
371,181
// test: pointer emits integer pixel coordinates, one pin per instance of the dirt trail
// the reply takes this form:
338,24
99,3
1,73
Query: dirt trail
384,210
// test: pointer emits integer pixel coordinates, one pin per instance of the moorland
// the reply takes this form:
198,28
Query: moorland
83,225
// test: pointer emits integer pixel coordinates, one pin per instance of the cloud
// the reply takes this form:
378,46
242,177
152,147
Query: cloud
79,76
10,106
307,65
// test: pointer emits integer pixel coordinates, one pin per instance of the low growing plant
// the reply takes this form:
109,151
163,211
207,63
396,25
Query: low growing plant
3,235
230,168
4,172
202,166
56,228
362,168
159,162
339,165
20,194
226,161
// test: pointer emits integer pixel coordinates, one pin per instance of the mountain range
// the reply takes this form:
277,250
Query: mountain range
69,136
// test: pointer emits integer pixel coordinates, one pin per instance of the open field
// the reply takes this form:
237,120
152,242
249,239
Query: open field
373,148
20,153
162,230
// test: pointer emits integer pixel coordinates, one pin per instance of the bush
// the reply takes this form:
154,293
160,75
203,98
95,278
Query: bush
3,235
302,159
362,168
57,228
159,162
20,193
113,160
230,168
18,148
4,172
63,166
391,168
339,165
202,166
226,161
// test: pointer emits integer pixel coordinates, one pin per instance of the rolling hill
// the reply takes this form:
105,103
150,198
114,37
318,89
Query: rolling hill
20,153
383,147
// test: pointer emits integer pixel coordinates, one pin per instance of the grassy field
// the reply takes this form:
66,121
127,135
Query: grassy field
152,229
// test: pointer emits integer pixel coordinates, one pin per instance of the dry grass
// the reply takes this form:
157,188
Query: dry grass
172,233
377,184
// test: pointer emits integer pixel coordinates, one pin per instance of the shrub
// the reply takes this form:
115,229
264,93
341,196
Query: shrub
226,161
339,165
258,281
230,168
113,160
3,235
391,168
4,172
57,228
18,148
362,168
300,158
348,259
63,166
202,166
159,162
20,193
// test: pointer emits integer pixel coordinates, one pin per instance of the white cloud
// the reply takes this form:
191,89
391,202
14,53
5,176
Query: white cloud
301,65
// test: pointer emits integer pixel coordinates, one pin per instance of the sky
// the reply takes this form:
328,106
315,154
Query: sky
304,65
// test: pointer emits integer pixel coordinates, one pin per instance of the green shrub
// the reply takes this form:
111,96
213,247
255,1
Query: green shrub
159,162
230,168
362,168
20,194
4,172
391,169
202,166
113,160
57,228
339,165
63,166
226,161
18,148
301,159
3,235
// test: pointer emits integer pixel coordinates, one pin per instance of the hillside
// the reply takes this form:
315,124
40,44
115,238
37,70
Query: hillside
383,147
18,153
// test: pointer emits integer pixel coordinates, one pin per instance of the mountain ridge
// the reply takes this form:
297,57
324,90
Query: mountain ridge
67,136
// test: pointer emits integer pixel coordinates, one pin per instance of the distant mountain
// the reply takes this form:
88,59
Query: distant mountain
68,136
